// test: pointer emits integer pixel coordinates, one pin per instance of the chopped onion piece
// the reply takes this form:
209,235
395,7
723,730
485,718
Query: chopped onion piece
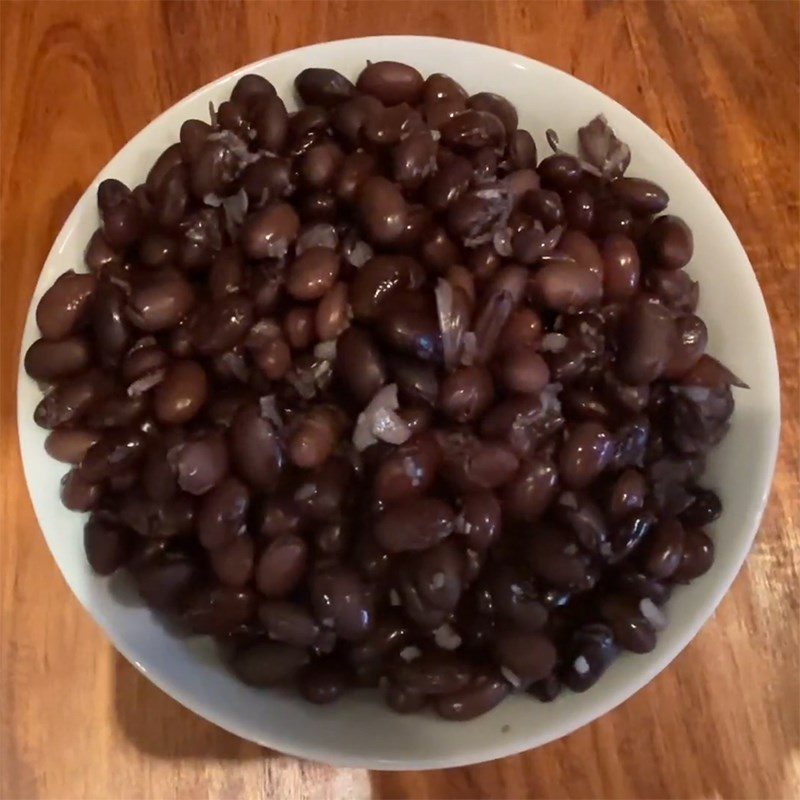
653,614
490,323
447,637
326,350
269,410
553,342
451,323
379,420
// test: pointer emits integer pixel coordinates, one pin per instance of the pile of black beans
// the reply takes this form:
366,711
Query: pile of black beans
374,397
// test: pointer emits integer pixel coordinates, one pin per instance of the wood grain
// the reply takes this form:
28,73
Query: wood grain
719,81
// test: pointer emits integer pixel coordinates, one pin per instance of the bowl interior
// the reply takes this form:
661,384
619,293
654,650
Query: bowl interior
359,730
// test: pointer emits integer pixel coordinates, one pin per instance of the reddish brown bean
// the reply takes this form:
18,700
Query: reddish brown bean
414,525
281,566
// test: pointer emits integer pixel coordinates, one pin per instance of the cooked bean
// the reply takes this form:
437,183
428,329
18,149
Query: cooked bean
627,494
391,82
485,690
528,656
473,129
414,525
382,210
560,171
322,682
255,450
288,622
182,393
640,195
78,493
70,445
466,393
313,440
233,563
671,242
359,364
586,453
324,87
563,285
433,673
218,610
333,312
531,491
221,518
270,231
620,268
312,274
341,603
698,556
647,341
108,545
54,361
556,559
64,305
410,470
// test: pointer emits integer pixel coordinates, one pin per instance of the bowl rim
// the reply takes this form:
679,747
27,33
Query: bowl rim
487,750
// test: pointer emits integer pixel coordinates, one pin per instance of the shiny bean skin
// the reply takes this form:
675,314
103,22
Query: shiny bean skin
414,525
359,364
485,691
269,232
627,494
182,393
324,87
466,393
581,249
333,312
409,324
391,82
556,559
221,517
413,159
382,210
160,303
410,470
255,450
78,493
68,402
222,325
531,491
560,171
586,453
448,184
315,437
690,345
348,117
439,86
199,464
529,656
69,445
480,519
631,630
497,105
523,330
281,566
313,273
218,610
64,305
473,129
250,89
288,622
341,603
433,673
640,195
698,556
671,242
647,342
563,285
108,545
54,361
113,454
591,650
620,268
476,464
523,371
522,149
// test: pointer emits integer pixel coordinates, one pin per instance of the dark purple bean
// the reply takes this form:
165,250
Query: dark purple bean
640,195
528,657
312,274
671,242
587,451
560,171
531,491
270,231
221,518
64,305
690,344
522,150
472,463
555,558
267,180
698,556
404,699
233,563
218,610
591,650
107,544
497,105
78,493
647,341
164,579
323,87
391,82
410,470
480,520
382,210
340,602
159,301
485,691
348,117
629,534
664,549
620,268
433,673
70,401
313,439
281,566
466,393
442,87
322,681
99,256
250,89
255,449
473,129
182,393
288,622
627,494
414,525
631,629
54,361
564,285
69,445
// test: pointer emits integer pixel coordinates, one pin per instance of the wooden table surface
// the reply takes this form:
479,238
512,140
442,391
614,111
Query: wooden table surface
719,81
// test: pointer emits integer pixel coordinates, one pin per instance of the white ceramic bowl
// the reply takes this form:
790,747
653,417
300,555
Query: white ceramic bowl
359,730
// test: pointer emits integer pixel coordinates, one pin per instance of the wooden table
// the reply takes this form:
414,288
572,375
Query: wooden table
717,80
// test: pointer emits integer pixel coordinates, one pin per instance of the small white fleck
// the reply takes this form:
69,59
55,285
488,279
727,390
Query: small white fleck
517,590
511,677
653,614
394,598
568,500
581,665
447,637
327,622
438,580
410,653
